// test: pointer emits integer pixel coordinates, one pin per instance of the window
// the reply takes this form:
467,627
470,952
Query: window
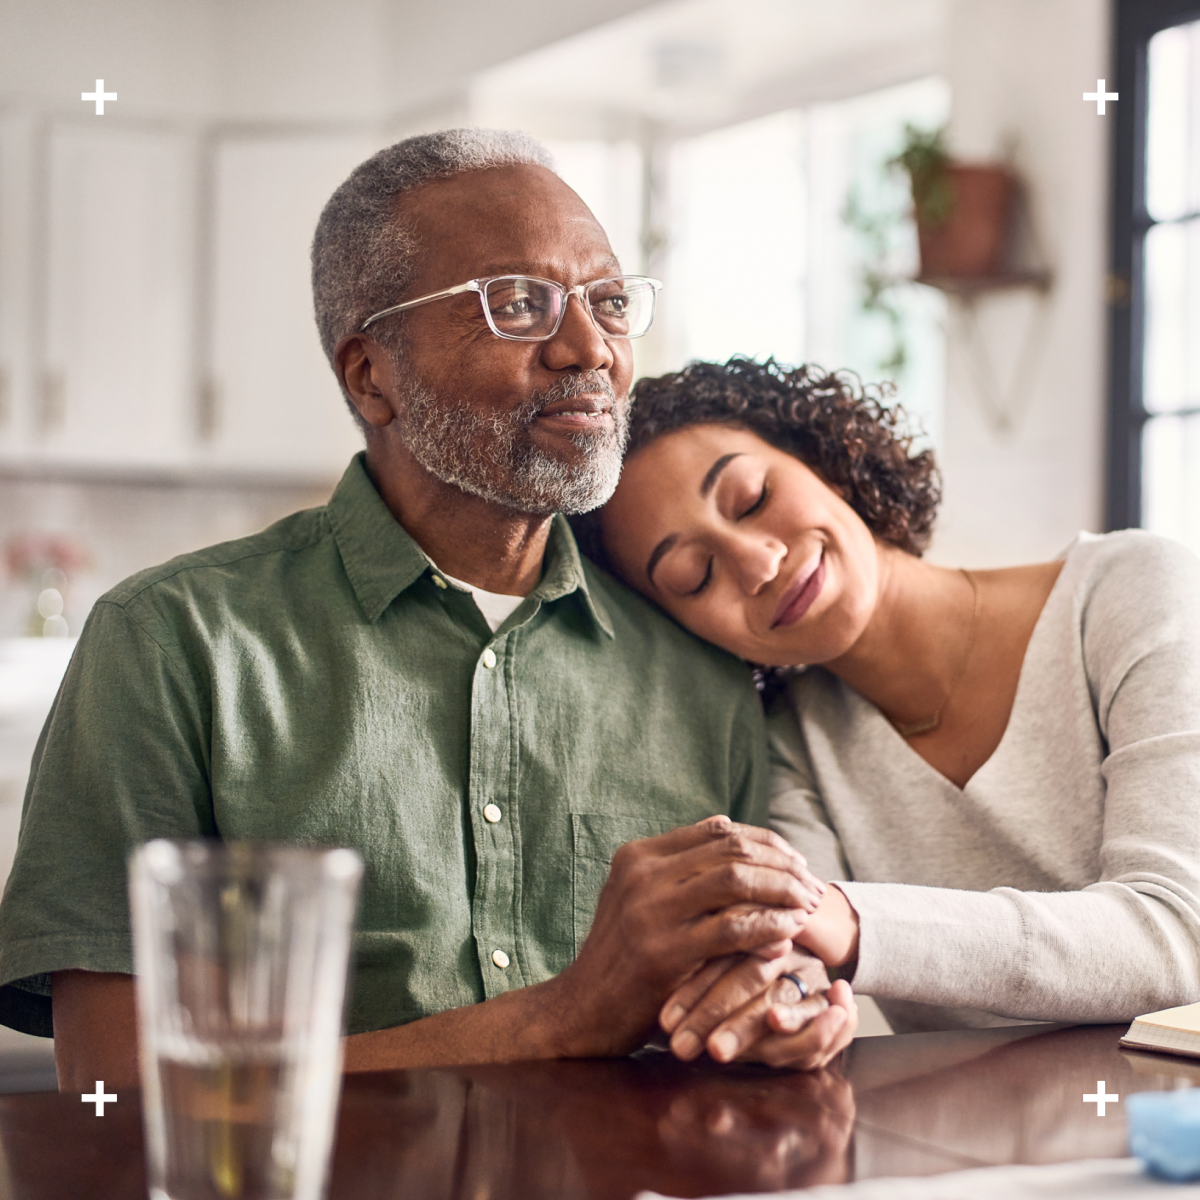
762,260
1154,440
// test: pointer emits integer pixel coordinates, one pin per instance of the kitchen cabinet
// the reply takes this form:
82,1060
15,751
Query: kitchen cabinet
155,307
116,382
275,404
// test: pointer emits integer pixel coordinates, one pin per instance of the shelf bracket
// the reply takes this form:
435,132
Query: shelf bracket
1003,406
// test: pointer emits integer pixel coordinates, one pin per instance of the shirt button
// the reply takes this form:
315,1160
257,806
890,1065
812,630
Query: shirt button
489,658
439,582
491,813
500,959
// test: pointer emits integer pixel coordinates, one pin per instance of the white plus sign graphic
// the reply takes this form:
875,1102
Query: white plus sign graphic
100,1098
1100,96
100,95
1099,1098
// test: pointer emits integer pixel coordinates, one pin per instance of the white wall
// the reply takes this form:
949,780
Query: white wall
159,56
1018,69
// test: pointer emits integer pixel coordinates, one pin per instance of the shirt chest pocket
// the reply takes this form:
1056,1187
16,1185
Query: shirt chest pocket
596,837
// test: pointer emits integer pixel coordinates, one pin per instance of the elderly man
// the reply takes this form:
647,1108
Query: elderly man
425,670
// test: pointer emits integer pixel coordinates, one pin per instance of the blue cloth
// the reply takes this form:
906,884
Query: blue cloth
1164,1132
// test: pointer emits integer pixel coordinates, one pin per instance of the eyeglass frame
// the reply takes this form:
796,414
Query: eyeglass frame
479,287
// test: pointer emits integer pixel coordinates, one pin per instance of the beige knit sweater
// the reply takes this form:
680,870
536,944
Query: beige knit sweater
1063,882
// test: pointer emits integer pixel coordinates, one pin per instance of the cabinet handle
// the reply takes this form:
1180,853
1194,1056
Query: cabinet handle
54,400
208,409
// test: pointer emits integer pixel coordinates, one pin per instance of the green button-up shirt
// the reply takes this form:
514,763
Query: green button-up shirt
321,683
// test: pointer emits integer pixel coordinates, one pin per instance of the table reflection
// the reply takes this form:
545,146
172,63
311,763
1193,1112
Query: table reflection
1008,1095
793,1133
590,1129
603,1130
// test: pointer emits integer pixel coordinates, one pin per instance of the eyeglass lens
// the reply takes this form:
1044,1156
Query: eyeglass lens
522,307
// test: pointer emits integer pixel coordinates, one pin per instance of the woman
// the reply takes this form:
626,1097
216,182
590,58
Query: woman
999,769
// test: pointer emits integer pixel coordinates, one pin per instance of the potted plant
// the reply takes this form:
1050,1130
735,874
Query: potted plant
962,216
962,211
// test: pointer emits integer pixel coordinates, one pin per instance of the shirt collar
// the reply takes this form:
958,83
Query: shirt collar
382,560
564,574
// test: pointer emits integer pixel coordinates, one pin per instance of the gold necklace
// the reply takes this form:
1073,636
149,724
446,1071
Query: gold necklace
928,724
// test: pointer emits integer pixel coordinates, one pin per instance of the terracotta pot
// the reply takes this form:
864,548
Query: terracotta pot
973,239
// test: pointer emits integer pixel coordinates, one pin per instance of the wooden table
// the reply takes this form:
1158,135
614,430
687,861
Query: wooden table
918,1104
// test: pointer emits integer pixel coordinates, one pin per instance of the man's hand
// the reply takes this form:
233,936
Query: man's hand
801,1041
671,904
739,1007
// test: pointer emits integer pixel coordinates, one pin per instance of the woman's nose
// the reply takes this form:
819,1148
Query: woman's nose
756,561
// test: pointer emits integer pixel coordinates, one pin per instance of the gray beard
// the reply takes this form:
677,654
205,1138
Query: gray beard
493,456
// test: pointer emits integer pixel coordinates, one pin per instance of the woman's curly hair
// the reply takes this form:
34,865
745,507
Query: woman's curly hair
831,422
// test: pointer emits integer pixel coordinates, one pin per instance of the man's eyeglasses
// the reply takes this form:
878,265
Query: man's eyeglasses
524,308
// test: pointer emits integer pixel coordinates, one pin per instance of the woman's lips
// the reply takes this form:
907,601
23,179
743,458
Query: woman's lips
799,597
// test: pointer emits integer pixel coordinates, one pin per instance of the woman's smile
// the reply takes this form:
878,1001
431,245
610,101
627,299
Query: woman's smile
799,597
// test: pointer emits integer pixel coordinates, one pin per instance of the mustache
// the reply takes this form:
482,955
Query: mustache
585,383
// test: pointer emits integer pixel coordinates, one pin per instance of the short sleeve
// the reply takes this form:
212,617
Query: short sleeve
122,758
796,810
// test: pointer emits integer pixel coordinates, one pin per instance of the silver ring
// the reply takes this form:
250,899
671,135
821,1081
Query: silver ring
801,986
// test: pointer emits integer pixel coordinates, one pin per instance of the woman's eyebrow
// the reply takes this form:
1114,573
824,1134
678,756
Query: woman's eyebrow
658,552
710,479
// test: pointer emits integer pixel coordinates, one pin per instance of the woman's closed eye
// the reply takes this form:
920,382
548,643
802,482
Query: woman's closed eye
762,499
754,507
708,570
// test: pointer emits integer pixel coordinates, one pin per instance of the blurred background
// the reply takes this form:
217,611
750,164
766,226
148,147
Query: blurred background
161,383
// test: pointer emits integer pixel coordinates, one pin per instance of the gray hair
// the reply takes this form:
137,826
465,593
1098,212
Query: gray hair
362,256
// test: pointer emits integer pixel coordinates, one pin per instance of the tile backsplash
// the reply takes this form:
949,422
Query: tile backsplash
119,528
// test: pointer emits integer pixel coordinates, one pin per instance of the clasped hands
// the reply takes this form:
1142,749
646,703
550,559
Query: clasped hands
699,925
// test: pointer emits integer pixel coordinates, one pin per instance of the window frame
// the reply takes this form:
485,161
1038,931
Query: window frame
1135,23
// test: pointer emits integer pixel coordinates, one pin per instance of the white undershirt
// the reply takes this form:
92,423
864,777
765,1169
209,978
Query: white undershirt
495,606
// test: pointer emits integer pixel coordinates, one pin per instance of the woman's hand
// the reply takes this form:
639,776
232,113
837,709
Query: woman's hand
831,932
739,1008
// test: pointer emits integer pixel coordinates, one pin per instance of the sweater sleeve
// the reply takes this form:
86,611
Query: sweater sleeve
1128,943
797,813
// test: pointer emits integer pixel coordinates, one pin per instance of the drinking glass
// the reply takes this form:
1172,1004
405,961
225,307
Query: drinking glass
241,953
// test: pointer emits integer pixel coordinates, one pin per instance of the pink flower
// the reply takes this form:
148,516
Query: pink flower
27,555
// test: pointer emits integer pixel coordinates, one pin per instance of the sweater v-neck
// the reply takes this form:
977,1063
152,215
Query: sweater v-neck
881,730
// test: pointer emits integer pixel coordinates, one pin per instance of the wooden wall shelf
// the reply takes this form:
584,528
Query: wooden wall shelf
967,287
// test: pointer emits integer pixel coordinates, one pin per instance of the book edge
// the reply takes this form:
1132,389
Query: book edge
1175,1050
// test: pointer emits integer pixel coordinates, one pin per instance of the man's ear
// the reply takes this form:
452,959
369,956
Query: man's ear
364,369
